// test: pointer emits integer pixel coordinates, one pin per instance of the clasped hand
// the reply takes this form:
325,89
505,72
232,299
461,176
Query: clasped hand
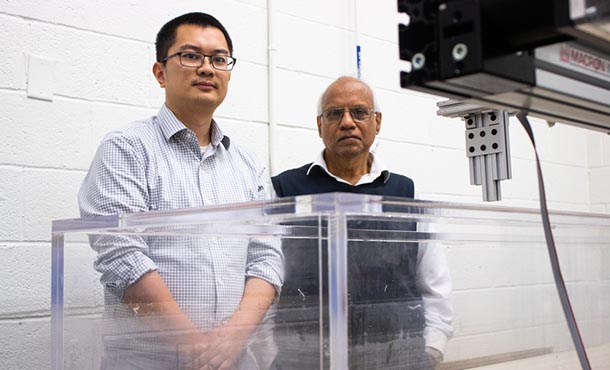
218,349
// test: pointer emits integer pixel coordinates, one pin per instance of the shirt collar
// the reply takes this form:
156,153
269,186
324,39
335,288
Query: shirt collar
171,125
378,168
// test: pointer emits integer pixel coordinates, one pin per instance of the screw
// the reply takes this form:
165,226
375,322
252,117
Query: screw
459,51
418,61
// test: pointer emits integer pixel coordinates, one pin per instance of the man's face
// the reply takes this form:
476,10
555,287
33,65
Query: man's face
348,138
188,88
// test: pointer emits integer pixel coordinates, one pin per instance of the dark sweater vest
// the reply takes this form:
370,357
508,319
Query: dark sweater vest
383,297
296,182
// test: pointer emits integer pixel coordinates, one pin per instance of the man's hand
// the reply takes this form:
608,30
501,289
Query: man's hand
219,349
434,356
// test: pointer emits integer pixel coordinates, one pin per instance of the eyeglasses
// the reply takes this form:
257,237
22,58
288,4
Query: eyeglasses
191,59
359,114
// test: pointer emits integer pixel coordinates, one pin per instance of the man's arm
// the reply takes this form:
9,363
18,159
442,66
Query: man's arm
226,343
116,183
220,348
434,283
150,296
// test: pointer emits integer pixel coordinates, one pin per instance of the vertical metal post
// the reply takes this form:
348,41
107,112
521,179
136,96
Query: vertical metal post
57,301
337,291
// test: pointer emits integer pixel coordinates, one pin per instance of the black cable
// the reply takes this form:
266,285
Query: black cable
550,243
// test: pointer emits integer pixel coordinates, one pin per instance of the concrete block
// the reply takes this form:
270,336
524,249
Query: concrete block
477,265
247,96
89,66
247,26
297,98
520,144
579,254
83,346
408,119
600,183
380,63
11,203
125,74
156,94
245,21
314,48
57,138
597,208
566,186
497,310
337,14
595,149
26,344
435,171
589,300
465,347
13,69
378,20
304,146
258,3
562,144
103,118
566,183
524,184
253,136
605,139
116,17
82,287
604,273
402,158
558,144
446,172
26,273
50,195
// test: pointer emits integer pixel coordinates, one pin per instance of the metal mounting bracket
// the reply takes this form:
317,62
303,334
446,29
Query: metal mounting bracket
487,145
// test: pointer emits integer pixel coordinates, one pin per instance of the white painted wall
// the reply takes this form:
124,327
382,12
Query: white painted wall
103,53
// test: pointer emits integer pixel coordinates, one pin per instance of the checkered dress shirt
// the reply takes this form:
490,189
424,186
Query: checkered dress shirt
157,164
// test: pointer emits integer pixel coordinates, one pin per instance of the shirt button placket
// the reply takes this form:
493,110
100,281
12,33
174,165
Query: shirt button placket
202,184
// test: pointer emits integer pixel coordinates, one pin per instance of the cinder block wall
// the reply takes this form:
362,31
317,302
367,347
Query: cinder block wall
101,56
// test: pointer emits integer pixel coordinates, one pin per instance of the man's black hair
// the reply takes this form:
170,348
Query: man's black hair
167,34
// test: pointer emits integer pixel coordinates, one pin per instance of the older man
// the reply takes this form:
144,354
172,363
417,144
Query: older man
400,315
178,303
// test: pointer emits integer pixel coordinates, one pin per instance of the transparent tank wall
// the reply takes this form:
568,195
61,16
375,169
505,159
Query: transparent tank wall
348,260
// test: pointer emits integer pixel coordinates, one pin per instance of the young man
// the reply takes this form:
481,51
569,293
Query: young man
200,300
399,312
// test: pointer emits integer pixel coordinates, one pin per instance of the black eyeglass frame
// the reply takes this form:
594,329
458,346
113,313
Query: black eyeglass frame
230,65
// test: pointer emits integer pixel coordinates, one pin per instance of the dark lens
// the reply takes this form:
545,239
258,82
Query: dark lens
334,115
191,56
220,60
359,113
191,59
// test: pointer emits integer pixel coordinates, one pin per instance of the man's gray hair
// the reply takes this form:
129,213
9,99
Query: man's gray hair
375,105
